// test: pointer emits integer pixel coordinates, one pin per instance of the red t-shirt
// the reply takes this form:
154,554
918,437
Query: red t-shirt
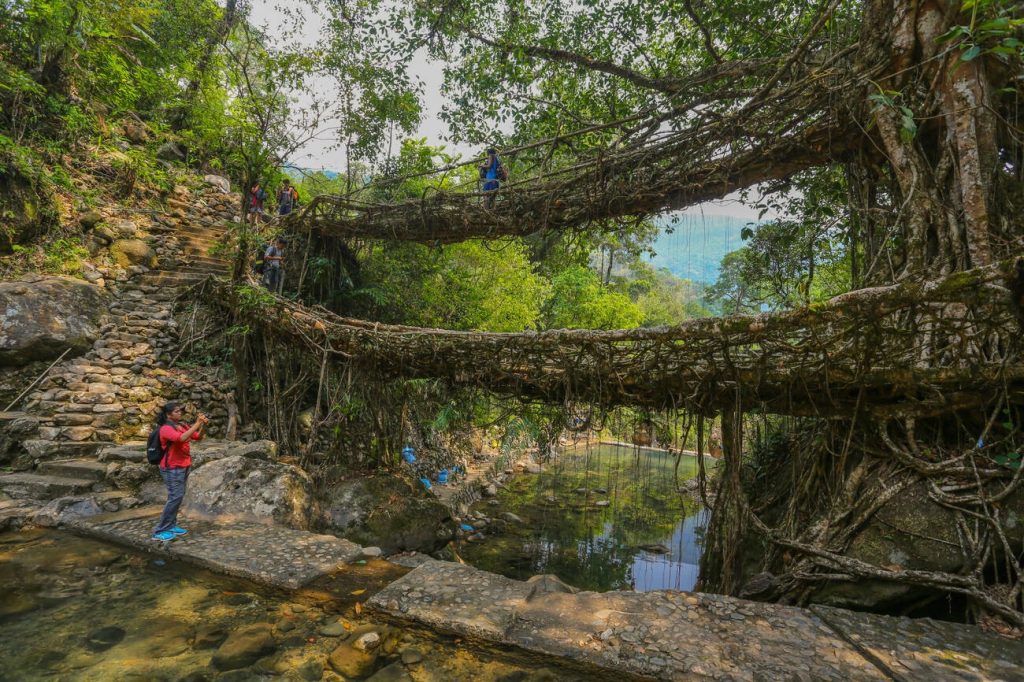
177,451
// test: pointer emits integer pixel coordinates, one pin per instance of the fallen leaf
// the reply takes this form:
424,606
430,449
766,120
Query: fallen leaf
359,608
357,591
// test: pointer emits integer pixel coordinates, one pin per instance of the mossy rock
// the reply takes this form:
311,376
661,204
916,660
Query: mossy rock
27,205
127,252
90,219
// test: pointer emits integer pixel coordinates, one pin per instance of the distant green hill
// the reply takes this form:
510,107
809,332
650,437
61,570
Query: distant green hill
694,248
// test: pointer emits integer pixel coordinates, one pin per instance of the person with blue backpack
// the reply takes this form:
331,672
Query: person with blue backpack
493,173
169,447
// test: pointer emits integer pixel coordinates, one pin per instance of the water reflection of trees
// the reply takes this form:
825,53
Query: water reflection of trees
590,547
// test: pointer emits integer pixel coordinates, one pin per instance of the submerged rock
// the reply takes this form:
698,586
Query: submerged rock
104,638
392,673
245,646
14,605
333,630
351,662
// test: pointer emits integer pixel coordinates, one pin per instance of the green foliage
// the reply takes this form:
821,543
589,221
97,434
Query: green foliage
993,30
800,258
486,286
252,298
64,256
665,299
579,301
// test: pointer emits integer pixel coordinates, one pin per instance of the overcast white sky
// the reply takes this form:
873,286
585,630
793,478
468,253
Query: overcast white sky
319,155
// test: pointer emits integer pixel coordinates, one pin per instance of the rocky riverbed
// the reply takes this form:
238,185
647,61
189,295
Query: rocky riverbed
77,609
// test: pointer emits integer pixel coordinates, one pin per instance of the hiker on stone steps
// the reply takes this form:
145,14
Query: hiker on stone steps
175,440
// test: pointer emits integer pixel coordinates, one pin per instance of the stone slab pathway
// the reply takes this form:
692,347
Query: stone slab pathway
270,555
691,636
927,650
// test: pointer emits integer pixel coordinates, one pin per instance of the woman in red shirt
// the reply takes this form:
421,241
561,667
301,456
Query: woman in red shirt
175,441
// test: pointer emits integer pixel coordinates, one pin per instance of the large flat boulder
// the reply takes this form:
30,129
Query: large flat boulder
41,319
252,488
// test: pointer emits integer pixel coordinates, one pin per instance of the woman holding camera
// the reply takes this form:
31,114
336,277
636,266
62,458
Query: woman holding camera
175,441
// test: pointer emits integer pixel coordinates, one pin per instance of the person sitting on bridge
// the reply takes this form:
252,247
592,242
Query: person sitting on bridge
493,173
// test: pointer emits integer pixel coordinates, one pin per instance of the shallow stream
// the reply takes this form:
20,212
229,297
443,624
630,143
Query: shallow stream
78,609
600,517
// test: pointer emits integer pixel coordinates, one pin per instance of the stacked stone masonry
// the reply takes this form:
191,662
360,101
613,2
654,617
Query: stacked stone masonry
112,392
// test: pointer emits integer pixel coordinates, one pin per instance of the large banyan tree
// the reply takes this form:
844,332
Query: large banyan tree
621,110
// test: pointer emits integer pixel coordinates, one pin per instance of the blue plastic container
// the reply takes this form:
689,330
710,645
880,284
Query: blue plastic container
426,483
442,476
466,527
407,454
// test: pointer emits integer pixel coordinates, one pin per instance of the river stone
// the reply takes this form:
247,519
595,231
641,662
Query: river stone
170,640
311,670
387,512
39,320
246,487
511,518
127,252
368,641
14,605
333,630
351,662
411,656
209,636
391,673
64,509
245,646
104,638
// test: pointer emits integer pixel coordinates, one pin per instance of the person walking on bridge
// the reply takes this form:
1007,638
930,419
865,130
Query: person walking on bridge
273,261
175,441
493,173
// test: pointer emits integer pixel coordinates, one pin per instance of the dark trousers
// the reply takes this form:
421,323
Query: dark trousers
175,479
273,277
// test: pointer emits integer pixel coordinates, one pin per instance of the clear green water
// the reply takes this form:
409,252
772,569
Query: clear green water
78,609
592,547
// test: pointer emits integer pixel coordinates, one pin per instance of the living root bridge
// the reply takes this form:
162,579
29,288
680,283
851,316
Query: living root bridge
908,349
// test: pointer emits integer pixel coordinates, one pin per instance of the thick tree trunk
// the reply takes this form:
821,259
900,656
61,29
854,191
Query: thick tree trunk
945,172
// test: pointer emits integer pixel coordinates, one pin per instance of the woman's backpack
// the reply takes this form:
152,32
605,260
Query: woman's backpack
502,172
155,450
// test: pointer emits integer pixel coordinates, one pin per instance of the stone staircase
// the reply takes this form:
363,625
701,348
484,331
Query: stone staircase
87,406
